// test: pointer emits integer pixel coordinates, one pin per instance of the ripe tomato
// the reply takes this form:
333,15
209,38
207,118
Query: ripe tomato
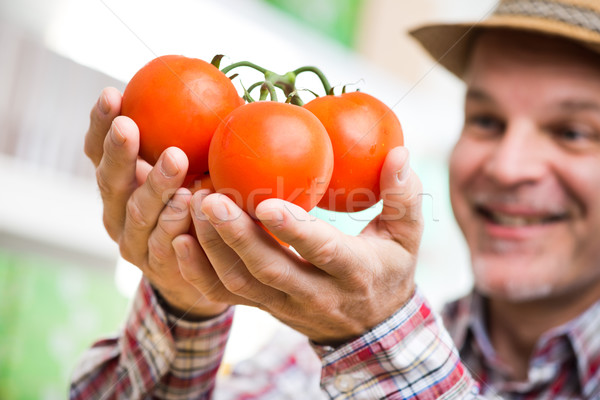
198,182
268,149
362,130
178,101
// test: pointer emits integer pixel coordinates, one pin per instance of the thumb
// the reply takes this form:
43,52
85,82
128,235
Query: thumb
315,240
401,192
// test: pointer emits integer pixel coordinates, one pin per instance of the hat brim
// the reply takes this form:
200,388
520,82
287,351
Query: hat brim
450,44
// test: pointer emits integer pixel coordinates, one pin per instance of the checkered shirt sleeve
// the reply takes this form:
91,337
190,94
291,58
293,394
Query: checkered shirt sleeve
155,356
408,356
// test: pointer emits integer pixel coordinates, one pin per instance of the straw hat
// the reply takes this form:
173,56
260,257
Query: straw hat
576,20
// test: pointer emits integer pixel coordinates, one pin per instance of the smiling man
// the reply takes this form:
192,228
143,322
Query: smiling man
525,189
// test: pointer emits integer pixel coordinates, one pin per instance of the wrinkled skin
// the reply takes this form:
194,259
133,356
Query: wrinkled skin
143,208
338,287
524,183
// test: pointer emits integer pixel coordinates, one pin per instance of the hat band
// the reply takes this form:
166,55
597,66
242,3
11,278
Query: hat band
569,14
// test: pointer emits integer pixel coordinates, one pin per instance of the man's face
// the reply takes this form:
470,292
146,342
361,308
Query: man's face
525,174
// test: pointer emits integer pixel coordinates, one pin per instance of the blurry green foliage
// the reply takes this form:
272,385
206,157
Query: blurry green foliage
335,18
49,314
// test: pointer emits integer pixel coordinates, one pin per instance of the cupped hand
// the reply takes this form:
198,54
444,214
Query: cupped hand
336,287
144,206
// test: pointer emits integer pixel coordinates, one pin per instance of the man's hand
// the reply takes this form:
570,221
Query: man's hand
144,206
338,288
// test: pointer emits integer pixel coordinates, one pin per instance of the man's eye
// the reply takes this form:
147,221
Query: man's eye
484,123
571,134
577,137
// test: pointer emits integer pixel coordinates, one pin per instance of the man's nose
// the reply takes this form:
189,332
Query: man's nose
519,157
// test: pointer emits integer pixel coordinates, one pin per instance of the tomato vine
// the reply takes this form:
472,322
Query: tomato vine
285,82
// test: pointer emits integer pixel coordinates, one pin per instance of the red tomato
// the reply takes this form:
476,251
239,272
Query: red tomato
179,101
362,130
198,182
268,149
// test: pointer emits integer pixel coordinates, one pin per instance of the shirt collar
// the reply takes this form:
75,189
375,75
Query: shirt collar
468,318
582,332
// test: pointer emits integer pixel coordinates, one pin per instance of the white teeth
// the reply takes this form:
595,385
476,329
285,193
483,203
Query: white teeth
511,220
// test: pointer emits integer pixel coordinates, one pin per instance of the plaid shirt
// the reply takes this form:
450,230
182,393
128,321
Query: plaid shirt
410,355
155,356
565,363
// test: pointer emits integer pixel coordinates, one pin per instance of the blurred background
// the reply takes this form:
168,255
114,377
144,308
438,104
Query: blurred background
62,284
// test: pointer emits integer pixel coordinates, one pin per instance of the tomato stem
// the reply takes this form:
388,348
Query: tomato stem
254,86
270,89
244,64
266,90
293,98
216,61
285,82
319,73
247,96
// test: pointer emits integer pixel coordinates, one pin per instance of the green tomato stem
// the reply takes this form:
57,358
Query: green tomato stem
293,98
216,61
254,86
244,64
317,72
247,96
287,82
271,89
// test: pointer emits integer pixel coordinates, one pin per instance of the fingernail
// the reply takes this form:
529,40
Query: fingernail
177,205
181,250
220,211
197,199
103,104
404,173
272,217
168,166
116,135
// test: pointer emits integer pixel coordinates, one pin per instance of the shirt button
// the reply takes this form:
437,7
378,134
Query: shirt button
344,383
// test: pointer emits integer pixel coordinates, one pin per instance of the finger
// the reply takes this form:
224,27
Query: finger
226,263
401,192
148,201
173,221
103,112
195,268
116,173
237,248
316,241
142,169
